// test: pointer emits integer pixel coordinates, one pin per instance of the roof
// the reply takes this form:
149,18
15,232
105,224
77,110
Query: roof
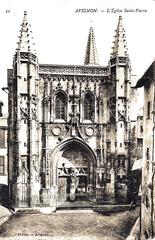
148,75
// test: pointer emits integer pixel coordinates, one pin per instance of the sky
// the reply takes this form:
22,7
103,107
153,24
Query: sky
61,31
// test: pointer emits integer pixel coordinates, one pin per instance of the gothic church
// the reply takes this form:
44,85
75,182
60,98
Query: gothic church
69,126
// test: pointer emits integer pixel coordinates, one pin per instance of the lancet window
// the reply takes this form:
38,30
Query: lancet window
89,106
60,106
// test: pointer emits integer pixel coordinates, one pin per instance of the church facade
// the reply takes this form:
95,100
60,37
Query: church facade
69,127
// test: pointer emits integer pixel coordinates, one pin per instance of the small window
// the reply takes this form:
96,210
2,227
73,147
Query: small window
121,125
24,144
123,163
148,154
148,109
24,79
147,201
118,162
121,86
120,144
98,153
141,128
2,166
108,145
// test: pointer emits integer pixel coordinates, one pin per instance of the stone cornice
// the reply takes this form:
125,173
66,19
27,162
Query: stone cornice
73,70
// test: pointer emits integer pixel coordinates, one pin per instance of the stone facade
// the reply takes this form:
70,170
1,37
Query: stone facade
148,187
69,126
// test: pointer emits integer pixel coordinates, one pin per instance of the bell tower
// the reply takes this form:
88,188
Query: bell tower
119,101
23,118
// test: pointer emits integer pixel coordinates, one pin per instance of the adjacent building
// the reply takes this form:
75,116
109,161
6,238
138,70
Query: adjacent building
69,126
148,165
3,147
137,157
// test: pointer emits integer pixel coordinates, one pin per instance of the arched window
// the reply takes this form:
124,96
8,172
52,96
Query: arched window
60,106
89,107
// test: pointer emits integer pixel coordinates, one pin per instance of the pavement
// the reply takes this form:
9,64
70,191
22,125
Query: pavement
135,231
4,214
68,225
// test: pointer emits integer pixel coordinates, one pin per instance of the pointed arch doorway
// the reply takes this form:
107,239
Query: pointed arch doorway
74,171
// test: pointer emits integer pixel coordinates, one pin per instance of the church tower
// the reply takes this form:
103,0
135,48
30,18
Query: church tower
23,121
119,104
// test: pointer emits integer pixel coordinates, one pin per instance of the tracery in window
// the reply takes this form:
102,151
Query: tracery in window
60,106
89,106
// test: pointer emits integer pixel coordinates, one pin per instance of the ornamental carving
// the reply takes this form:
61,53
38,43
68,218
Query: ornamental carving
24,113
122,59
78,70
28,56
34,113
122,115
119,60
89,131
56,131
34,100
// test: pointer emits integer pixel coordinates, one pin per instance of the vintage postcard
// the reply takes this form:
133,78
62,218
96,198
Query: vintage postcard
77,119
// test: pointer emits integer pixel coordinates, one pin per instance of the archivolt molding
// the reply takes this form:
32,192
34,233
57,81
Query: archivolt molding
56,154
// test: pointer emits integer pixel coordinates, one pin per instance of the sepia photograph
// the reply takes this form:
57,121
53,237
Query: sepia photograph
77,119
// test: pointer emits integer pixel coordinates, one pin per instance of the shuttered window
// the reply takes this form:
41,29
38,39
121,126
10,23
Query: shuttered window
2,166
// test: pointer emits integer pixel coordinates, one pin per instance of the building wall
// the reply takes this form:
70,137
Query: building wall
147,197
147,159
3,151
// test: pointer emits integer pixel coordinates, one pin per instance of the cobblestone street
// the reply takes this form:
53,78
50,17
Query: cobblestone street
70,225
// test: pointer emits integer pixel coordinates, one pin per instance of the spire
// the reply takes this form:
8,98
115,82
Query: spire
91,57
120,45
26,42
